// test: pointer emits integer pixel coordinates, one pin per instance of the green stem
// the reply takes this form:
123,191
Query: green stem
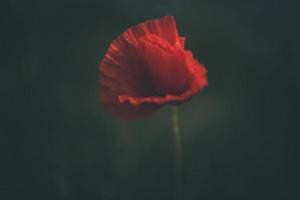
178,153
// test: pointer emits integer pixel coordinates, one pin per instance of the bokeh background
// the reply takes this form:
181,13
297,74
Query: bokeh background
240,134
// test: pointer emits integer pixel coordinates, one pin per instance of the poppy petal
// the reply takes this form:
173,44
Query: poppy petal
166,65
164,27
146,67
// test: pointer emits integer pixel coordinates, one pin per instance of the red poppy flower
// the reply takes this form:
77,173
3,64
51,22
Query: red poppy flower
147,67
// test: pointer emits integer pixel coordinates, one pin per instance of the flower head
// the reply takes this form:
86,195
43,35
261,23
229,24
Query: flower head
146,67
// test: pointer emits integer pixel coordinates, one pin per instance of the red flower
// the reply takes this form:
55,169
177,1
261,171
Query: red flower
147,67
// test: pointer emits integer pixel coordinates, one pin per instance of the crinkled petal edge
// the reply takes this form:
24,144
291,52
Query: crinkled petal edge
197,85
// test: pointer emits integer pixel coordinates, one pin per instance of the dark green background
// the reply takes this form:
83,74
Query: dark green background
240,134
